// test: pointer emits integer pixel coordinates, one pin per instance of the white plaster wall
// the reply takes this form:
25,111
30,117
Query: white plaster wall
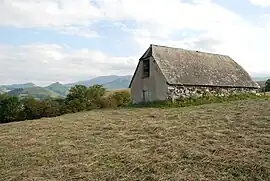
155,83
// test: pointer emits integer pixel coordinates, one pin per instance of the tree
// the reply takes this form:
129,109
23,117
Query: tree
10,109
50,108
81,98
76,99
267,85
94,96
78,92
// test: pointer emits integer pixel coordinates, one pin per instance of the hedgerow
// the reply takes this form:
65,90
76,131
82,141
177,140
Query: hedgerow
82,98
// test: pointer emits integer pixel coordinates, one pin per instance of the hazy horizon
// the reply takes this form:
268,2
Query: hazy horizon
49,83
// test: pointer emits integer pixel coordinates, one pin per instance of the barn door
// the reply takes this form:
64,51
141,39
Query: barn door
146,96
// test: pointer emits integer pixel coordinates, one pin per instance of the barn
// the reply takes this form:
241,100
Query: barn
171,73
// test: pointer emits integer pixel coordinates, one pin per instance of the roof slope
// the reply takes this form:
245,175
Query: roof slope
187,67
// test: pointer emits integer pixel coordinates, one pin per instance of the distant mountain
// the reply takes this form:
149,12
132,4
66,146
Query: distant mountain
261,81
261,78
58,88
120,83
109,82
36,92
16,86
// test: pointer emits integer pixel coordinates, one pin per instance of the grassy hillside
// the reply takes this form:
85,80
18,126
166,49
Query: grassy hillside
37,92
212,142
58,88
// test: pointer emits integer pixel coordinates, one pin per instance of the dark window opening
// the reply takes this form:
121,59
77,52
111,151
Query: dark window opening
146,68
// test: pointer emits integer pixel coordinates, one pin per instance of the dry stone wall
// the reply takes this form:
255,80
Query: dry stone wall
181,92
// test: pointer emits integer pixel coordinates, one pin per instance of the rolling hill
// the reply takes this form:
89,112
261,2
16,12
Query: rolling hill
6,88
120,83
58,88
110,82
36,92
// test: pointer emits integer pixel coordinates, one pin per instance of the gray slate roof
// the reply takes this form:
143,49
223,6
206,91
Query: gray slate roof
187,67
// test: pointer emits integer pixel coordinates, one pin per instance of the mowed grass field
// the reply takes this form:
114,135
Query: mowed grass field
229,141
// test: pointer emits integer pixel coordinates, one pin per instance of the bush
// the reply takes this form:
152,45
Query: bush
123,98
32,108
81,98
108,102
10,109
74,106
50,108
35,109
267,85
116,99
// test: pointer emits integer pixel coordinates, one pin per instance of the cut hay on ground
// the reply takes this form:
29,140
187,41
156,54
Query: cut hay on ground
212,142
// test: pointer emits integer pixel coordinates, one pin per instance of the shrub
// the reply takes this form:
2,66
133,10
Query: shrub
32,108
94,96
81,98
35,109
78,92
10,109
122,98
75,105
62,106
108,102
50,108
267,85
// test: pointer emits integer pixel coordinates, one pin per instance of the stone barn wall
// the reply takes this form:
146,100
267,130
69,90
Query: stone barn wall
180,92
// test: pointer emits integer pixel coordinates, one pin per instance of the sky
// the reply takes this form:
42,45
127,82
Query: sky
44,41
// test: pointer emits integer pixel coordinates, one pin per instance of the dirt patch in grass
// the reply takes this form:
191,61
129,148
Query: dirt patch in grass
212,142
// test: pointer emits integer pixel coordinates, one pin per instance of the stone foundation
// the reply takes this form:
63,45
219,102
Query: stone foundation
181,92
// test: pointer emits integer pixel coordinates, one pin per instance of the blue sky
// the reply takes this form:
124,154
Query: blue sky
66,40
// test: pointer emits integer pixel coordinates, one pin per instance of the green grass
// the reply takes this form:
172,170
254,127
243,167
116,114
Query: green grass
228,141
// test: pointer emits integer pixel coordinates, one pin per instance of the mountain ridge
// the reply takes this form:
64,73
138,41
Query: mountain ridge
57,89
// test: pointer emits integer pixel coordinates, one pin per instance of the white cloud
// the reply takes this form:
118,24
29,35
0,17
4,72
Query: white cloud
217,29
263,3
47,13
65,16
199,24
79,31
46,63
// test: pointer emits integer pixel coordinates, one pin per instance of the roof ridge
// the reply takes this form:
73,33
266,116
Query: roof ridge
190,50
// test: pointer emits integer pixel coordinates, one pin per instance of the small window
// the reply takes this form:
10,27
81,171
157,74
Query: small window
146,68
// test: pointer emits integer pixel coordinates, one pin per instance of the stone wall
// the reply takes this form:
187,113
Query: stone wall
181,92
